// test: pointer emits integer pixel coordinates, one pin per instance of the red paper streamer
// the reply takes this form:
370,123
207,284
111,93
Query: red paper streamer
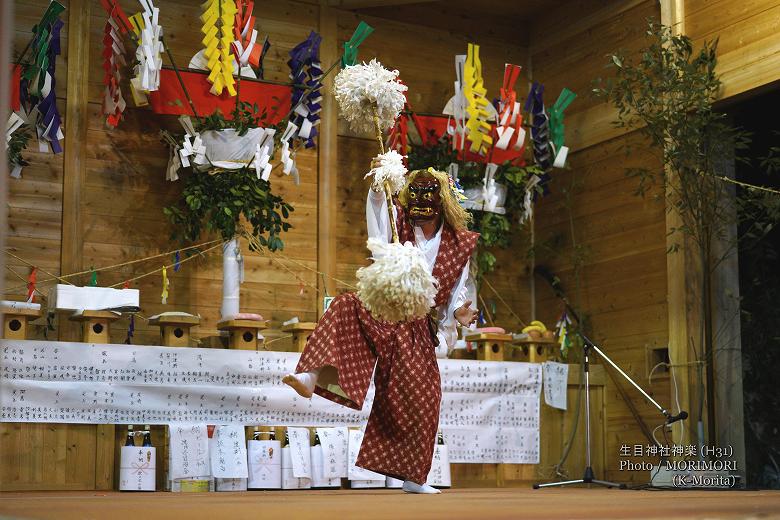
31,280
16,82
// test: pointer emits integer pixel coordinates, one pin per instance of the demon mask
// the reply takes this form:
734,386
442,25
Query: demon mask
424,201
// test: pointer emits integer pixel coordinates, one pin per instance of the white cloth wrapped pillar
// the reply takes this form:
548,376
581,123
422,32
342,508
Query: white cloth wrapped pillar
231,278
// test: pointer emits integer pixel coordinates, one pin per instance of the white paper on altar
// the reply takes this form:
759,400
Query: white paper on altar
265,464
228,452
556,377
137,466
334,443
300,452
189,450
356,472
60,382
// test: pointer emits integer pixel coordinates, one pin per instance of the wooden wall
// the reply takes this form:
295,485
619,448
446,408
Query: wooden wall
749,39
609,246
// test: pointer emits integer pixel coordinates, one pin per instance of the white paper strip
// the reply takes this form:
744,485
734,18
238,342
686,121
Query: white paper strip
228,452
189,450
334,451
356,472
49,381
556,377
300,452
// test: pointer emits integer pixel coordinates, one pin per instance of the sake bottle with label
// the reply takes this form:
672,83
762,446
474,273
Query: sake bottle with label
130,440
147,436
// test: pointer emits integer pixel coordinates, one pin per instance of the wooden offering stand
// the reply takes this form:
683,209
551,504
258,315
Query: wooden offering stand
533,350
243,333
300,334
175,329
491,346
95,325
15,321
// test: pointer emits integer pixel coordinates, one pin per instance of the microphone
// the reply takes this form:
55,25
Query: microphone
679,417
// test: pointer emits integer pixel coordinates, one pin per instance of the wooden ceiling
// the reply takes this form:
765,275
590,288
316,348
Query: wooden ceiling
502,19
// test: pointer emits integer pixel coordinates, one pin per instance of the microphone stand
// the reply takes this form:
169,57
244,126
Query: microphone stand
588,476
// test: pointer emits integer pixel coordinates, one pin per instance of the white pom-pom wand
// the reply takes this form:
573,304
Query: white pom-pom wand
397,285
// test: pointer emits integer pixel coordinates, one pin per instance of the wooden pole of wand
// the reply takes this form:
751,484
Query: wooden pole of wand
388,193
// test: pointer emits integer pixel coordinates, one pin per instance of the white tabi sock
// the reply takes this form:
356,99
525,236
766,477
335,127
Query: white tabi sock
425,489
302,383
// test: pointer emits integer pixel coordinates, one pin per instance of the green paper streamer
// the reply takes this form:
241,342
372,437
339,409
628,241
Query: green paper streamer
93,278
351,47
40,60
556,116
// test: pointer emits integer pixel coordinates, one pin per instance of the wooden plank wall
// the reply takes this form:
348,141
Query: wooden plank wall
749,39
620,238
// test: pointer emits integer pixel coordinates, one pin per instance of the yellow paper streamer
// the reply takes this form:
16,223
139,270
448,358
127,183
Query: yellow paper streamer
477,127
164,294
217,40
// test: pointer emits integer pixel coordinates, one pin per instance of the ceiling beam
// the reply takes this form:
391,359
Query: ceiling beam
361,4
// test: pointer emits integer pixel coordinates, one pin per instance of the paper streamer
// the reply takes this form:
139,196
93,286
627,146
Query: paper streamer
37,95
351,46
150,47
306,70
557,128
113,58
264,151
115,12
246,49
474,91
218,44
164,295
130,330
288,158
509,126
540,134
31,280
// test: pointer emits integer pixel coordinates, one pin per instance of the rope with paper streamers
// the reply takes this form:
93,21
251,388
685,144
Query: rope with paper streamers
64,278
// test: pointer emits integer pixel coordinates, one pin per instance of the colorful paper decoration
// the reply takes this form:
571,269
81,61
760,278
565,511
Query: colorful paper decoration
263,152
169,99
164,294
510,129
176,262
16,81
115,12
306,75
458,108
150,47
288,158
31,281
130,330
431,128
217,41
540,130
556,126
562,332
113,57
246,49
37,95
477,127
351,46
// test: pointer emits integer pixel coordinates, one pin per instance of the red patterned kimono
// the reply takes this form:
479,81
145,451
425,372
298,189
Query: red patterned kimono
401,430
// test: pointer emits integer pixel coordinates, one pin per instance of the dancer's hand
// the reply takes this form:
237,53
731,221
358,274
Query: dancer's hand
465,315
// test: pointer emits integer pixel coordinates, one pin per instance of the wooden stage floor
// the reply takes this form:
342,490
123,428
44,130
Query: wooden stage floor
474,504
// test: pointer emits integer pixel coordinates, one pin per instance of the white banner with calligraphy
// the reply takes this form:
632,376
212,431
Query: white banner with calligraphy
489,410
